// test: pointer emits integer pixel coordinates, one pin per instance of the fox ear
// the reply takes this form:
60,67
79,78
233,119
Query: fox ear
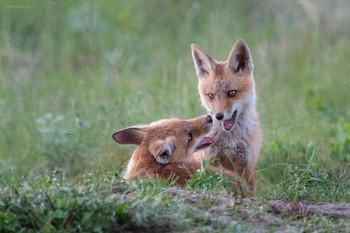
162,150
202,62
240,59
132,135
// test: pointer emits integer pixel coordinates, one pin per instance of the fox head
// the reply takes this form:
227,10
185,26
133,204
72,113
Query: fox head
227,89
169,140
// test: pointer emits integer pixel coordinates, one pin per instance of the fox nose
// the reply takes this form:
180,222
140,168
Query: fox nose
209,119
219,116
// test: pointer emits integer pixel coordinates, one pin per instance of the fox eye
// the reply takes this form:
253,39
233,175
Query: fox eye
190,137
211,96
231,93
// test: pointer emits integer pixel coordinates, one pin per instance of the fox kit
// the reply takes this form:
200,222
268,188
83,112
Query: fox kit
227,91
165,146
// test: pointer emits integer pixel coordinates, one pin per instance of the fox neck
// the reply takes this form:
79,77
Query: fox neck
248,112
140,157
246,120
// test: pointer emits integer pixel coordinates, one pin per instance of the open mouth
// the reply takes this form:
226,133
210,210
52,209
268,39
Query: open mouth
230,123
204,143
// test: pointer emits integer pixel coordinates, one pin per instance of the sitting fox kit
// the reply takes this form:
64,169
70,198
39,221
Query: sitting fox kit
227,91
165,146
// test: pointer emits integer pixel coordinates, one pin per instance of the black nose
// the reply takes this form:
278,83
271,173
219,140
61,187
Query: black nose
219,116
209,119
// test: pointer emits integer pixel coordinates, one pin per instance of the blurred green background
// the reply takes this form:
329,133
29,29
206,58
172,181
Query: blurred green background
73,72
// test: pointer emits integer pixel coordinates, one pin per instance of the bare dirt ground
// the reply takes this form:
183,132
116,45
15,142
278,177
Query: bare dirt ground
271,215
262,215
278,207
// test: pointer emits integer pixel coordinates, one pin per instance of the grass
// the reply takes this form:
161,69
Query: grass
51,204
73,73
105,203
310,181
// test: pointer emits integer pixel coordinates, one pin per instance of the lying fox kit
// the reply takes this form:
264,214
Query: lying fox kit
165,146
227,91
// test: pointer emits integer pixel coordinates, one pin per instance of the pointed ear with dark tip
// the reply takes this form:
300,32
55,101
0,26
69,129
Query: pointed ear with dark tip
162,150
132,135
240,60
202,62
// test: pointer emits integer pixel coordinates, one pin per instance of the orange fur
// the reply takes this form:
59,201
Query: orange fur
236,132
164,148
